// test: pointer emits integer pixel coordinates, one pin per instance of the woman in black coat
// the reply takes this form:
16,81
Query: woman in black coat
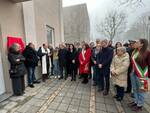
72,60
17,69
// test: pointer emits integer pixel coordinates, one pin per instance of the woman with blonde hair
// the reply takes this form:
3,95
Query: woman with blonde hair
119,69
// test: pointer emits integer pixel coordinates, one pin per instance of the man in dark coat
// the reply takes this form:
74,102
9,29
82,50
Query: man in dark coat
62,58
104,61
31,62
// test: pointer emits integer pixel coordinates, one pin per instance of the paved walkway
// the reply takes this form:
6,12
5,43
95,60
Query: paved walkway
56,96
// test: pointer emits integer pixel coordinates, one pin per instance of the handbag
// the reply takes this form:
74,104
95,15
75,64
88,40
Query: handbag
13,71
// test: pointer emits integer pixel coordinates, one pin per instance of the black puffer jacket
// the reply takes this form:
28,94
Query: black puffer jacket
31,57
18,66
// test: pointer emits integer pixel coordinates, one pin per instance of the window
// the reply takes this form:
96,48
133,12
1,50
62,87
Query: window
50,35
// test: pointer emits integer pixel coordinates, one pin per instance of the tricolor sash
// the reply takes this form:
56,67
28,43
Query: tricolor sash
142,74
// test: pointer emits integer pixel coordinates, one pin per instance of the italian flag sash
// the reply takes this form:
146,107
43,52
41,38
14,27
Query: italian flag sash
141,73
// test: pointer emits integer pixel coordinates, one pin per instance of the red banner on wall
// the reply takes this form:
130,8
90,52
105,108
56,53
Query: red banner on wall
11,40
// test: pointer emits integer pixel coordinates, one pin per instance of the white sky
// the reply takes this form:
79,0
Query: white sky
98,8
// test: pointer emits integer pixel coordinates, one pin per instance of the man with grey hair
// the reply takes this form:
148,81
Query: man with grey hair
104,61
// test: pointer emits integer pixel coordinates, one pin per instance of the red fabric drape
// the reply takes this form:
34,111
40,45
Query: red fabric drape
11,40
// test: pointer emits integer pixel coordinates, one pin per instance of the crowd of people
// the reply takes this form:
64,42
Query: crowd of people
127,65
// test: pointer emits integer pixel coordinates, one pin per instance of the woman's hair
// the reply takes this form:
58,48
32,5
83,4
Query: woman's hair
143,51
86,46
14,47
117,44
72,46
123,49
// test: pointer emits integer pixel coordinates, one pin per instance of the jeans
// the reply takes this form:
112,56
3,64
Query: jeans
56,67
139,97
31,75
95,74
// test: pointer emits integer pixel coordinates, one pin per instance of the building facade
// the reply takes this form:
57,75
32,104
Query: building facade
76,23
37,21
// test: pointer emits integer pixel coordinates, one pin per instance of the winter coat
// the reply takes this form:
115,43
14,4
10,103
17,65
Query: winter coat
84,59
31,57
16,66
120,66
72,56
105,58
62,57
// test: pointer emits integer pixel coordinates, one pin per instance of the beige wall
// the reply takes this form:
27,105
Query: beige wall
76,23
17,20
11,22
47,12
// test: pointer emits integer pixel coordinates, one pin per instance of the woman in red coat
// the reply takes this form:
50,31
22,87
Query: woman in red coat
84,59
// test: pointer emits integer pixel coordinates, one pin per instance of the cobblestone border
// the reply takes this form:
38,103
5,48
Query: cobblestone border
118,104
31,95
92,100
51,98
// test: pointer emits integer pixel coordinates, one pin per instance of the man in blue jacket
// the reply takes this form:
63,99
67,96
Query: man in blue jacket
104,61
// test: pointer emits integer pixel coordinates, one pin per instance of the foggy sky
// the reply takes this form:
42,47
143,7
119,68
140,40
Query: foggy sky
98,9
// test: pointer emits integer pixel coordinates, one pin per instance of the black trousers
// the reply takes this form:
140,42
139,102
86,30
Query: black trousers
63,69
104,79
85,78
120,91
73,70
129,86
18,85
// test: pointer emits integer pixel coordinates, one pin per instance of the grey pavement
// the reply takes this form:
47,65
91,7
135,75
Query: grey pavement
60,96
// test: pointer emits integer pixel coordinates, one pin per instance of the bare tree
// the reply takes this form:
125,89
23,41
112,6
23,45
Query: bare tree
131,2
140,28
113,24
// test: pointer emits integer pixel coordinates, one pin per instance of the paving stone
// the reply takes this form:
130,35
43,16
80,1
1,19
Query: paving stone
83,110
66,100
24,108
36,102
111,108
3,111
79,96
98,111
100,100
4,103
72,109
59,112
32,109
15,98
49,111
63,107
101,106
53,106
10,105
84,97
75,102
69,95
84,103
109,101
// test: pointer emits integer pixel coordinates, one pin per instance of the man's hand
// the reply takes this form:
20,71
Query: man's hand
100,66
73,61
113,72
18,60
94,62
